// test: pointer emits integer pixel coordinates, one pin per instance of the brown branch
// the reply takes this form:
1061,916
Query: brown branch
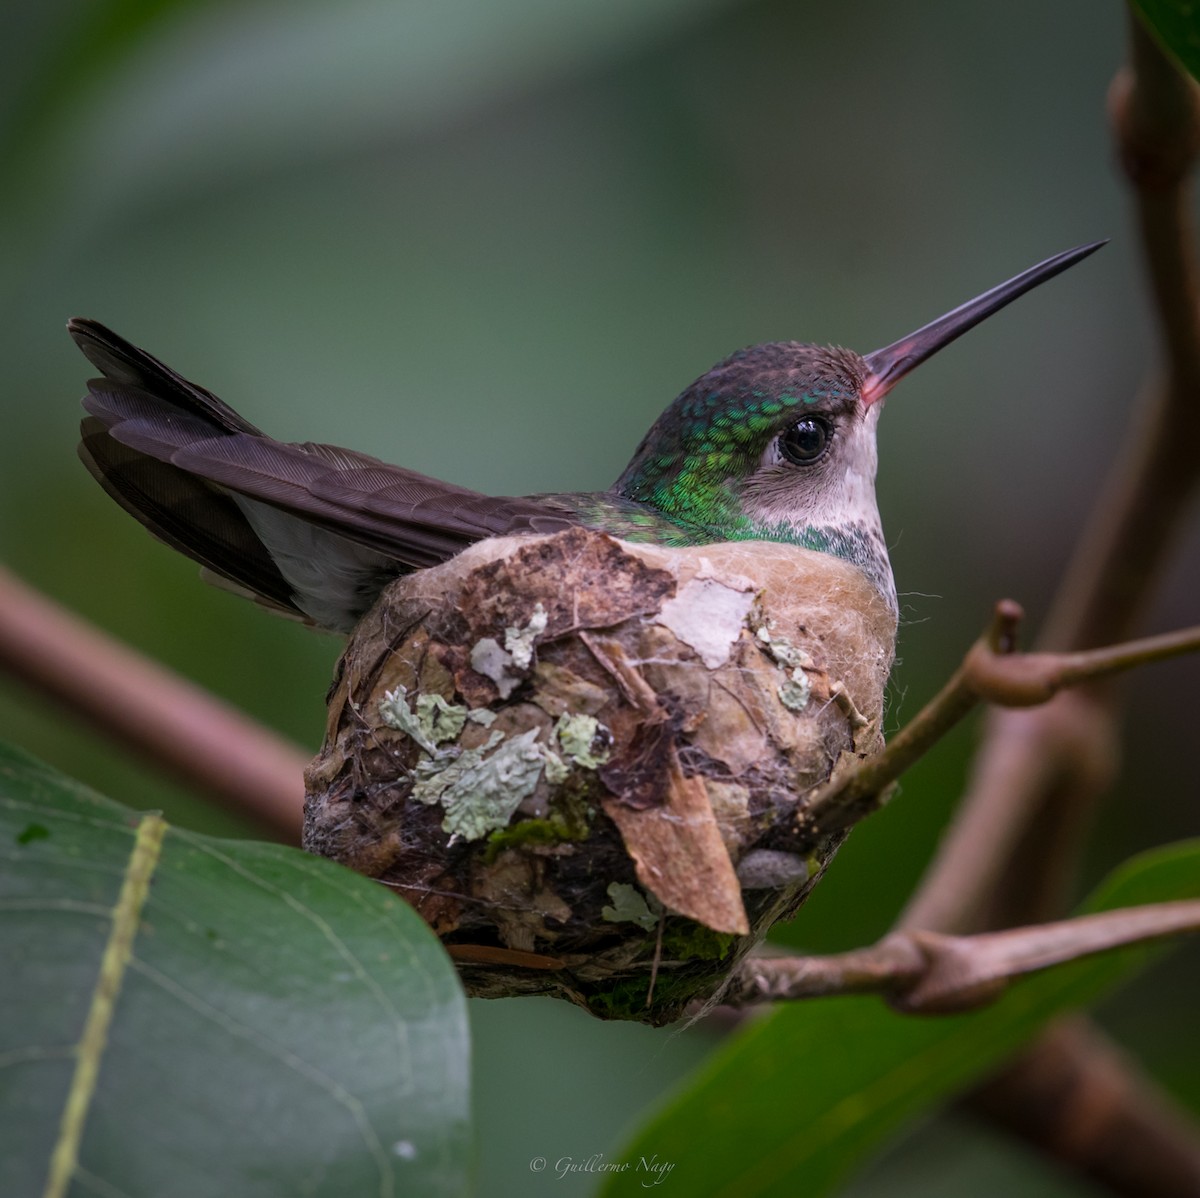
156,713
1157,123
890,965
1082,1101
1010,854
992,672
1155,114
930,973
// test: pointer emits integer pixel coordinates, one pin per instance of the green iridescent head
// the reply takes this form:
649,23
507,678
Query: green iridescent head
772,414
777,442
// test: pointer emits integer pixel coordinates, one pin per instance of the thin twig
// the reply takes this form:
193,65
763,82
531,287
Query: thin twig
992,672
839,802
1011,852
930,973
1031,679
156,713
1156,118
893,963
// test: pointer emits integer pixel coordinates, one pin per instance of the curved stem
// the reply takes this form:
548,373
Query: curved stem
156,713
992,672
1156,118
1012,848
933,974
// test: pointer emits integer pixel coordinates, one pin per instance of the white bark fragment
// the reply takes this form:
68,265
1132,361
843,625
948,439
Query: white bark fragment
708,615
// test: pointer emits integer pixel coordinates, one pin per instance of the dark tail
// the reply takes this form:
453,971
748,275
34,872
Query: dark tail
310,530
179,508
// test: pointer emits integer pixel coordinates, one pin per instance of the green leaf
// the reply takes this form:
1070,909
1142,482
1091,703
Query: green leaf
798,1100
196,1016
1177,24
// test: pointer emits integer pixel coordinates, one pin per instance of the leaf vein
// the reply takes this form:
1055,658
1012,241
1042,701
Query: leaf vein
126,915
284,1056
343,950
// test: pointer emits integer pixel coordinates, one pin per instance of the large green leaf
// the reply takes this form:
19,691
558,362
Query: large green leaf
798,1100
211,1017
1177,23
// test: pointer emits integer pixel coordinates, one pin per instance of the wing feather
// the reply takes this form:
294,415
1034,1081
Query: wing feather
312,529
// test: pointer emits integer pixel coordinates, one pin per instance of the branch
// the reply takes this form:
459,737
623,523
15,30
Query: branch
1011,852
991,672
151,710
932,974
1082,1101
1156,118
1155,114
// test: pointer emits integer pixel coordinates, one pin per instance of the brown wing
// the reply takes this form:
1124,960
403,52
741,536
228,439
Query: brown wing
309,529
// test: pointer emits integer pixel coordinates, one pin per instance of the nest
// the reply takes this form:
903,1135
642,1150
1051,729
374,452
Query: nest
584,761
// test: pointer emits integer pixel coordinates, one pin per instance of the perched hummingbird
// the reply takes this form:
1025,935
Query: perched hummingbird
775,442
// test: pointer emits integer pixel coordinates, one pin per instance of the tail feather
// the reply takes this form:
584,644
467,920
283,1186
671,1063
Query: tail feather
122,362
186,513
311,530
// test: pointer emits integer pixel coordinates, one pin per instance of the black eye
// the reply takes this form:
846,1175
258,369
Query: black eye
805,441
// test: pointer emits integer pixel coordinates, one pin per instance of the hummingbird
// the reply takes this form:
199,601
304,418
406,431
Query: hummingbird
776,442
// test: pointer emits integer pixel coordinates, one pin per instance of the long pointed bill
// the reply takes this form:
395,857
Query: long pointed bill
890,364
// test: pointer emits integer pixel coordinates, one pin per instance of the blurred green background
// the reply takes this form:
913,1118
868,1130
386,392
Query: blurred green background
490,239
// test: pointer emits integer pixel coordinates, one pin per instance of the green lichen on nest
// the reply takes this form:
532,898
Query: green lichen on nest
481,788
418,722
629,905
568,821
431,720
795,690
794,693
583,739
686,940
519,641
505,665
